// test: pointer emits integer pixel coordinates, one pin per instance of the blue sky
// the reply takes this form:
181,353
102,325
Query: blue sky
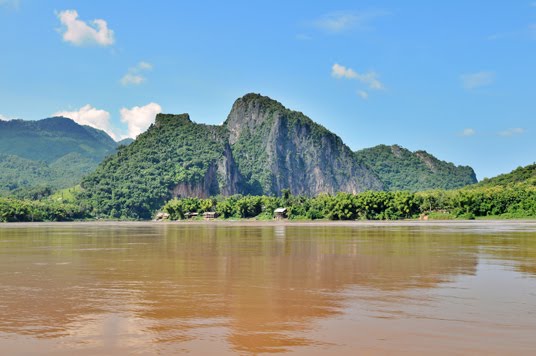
453,78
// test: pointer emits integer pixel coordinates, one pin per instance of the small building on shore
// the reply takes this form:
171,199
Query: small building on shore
161,216
280,213
209,215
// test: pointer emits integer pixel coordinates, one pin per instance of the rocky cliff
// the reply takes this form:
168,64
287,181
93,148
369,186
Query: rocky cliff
276,148
262,148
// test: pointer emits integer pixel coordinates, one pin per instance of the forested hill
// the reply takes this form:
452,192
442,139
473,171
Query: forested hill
174,157
262,148
48,154
401,169
518,175
52,138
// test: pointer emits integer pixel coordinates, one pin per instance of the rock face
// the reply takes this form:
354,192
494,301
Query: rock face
262,148
221,177
276,148
268,148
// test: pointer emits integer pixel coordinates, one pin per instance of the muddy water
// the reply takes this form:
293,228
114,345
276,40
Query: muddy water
90,289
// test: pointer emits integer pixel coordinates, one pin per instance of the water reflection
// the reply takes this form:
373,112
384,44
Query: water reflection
247,289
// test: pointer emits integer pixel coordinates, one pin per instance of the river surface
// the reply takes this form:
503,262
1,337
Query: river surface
242,288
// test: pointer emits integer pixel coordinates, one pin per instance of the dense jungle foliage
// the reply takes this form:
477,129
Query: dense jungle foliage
14,210
38,157
514,201
139,178
518,175
49,139
401,169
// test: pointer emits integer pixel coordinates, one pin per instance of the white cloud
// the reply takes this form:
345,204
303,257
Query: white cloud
363,94
139,118
132,79
341,21
370,78
90,116
339,71
475,80
512,132
468,132
134,75
81,33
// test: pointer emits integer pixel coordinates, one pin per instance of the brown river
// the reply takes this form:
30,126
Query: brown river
411,288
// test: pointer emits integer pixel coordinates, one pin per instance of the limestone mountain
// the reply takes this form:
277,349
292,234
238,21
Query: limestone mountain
53,153
261,148
400,169
277,148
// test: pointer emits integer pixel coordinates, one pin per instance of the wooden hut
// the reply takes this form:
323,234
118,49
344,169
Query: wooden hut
209,215
280,213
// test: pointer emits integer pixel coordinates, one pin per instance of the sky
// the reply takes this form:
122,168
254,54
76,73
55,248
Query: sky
454,78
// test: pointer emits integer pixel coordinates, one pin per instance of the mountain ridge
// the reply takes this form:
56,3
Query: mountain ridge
48,154
261,148
401,169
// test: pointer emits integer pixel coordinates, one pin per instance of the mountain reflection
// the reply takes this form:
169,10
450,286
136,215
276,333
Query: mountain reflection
261,288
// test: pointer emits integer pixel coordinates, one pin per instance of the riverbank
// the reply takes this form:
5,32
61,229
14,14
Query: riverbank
290,223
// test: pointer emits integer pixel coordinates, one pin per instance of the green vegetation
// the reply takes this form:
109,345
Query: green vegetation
517,201
67,195
518,175
141,176
50,139
251,164
27,179
17,173
401,169
14,210
261,149
38,157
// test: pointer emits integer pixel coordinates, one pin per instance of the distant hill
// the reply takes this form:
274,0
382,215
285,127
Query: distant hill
54,152
262,148
52,138
518,175
401,169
